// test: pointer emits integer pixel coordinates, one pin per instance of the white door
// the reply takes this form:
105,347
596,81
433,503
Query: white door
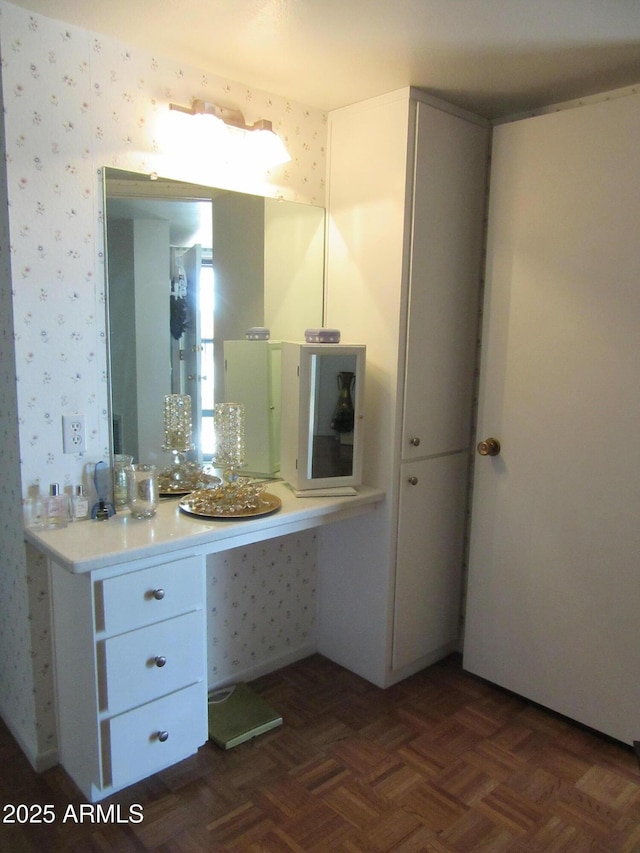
553,605
192,261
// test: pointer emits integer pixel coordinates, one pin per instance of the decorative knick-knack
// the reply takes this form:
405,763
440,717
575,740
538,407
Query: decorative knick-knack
343,416
228,419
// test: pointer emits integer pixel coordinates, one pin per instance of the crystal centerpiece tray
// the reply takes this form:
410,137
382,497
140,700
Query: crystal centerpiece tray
242,499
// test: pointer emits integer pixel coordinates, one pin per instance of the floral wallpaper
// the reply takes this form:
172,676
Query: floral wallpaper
261,605
16,674
75,101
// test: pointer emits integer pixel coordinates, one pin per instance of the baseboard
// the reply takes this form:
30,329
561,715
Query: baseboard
264,667
40,761
46,760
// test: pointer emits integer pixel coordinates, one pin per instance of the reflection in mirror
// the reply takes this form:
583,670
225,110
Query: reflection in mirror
332,416
189,270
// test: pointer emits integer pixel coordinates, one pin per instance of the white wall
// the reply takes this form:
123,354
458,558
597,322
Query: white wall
293,261
369,145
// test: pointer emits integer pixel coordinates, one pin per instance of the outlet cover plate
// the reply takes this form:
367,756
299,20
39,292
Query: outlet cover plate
73,434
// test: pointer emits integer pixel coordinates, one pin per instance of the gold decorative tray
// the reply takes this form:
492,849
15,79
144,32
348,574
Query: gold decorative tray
206,504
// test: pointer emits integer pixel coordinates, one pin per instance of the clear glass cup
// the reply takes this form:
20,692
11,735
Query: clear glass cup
121,461
142,490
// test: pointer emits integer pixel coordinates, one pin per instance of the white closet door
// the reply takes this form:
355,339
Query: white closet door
554,583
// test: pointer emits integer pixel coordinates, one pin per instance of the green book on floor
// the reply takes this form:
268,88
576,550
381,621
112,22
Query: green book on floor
237,714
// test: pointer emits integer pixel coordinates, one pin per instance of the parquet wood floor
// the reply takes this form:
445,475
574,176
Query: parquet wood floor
442,762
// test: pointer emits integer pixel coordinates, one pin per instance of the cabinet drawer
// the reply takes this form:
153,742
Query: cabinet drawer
140,598
142,665
132,742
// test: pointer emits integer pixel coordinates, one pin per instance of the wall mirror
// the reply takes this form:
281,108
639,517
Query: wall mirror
189,269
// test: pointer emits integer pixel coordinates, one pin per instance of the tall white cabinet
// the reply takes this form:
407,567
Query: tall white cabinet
407,189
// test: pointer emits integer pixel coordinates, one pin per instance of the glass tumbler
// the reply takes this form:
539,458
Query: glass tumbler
142,490
121,461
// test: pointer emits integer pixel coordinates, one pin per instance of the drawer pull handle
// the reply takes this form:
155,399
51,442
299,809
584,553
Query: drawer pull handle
415,442
160,660
413,481
163,736
158,594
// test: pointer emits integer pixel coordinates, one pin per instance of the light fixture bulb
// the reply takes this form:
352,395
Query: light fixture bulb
267,149
262,146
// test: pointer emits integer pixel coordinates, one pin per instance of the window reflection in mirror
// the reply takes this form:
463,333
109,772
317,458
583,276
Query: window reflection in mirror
188,268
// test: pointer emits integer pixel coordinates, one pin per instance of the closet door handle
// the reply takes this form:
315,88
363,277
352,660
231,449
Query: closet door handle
489,447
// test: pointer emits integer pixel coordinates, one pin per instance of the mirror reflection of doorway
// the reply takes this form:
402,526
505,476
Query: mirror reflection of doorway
193,353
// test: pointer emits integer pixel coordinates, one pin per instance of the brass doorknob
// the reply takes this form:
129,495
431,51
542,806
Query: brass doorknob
489,447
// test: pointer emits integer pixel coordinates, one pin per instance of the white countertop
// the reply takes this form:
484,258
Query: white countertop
88,545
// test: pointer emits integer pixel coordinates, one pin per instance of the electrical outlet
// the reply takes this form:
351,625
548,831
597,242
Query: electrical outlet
74,438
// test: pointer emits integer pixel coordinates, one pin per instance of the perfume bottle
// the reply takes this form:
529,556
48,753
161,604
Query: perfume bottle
56,508
79,505
33,512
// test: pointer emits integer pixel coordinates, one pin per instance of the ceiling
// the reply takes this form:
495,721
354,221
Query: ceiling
493,57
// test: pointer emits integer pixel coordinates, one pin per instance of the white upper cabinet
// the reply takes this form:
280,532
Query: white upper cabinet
446,255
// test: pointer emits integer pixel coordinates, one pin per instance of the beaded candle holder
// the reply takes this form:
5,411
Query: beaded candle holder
236,495
177,439
177,423
228,423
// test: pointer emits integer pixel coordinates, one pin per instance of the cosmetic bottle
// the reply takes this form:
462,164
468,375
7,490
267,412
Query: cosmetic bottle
56,508
33,512
79,505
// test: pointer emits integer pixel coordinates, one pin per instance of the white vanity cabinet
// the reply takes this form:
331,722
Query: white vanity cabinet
407,188
129,628
130,648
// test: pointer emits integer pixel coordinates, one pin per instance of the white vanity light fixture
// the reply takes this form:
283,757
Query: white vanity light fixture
262,144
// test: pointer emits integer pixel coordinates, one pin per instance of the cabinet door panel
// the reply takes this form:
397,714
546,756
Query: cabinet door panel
142,665
136,748
149,595
446,257
252,377
430,554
